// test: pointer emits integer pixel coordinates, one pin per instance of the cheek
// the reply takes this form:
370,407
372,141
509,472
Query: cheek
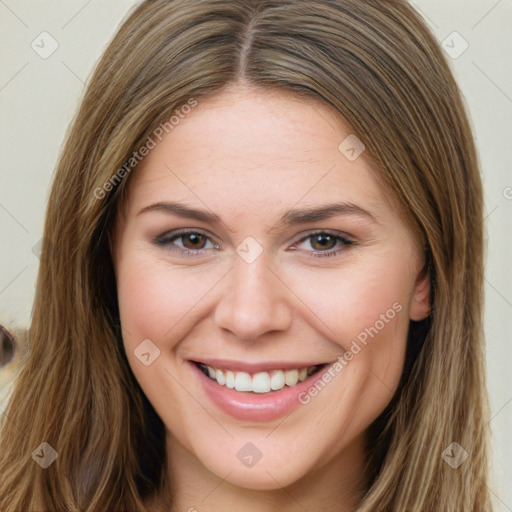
155,299
363,310
154,302
364,301
142,310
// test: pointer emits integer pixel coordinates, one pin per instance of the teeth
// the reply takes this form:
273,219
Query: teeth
243,382
278,380
291,377
230,380
261,382
219,376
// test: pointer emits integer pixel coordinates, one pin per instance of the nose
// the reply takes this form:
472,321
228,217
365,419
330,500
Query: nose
254,301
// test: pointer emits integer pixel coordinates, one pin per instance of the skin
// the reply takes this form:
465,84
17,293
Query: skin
249,156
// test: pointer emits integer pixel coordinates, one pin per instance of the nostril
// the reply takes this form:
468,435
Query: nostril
7,347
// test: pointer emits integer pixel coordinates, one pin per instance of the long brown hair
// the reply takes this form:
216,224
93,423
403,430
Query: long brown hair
378,65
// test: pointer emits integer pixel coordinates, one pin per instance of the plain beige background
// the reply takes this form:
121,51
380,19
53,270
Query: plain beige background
40,90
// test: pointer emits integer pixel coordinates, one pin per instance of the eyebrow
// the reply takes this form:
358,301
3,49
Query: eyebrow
289,218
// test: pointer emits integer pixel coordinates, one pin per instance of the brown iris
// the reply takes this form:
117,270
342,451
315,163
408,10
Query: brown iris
324,241
195,239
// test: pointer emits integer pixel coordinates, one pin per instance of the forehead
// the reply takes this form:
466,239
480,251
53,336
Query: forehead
242,149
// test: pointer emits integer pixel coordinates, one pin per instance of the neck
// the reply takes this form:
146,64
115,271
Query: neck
335,486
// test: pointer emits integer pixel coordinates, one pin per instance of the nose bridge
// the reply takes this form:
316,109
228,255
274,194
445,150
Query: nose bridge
254,300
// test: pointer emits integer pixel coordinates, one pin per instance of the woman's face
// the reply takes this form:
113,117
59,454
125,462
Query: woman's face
258,248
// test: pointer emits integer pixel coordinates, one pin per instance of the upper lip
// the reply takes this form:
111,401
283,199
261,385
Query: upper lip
245,366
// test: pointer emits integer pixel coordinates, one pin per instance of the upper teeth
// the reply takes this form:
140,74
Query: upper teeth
261,382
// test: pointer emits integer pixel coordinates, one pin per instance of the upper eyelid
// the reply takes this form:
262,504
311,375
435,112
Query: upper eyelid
183,232
176,233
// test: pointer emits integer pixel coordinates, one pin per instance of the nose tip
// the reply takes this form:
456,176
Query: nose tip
254,302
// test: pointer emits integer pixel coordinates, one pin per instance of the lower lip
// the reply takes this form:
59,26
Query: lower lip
262,407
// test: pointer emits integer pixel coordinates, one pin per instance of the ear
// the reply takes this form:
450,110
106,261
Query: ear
419,308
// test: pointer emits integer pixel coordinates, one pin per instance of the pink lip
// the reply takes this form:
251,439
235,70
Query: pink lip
252,406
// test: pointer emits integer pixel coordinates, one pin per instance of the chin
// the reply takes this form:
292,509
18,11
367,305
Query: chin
262,478
268,473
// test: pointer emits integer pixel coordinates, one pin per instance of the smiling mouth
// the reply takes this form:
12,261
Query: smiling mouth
260,382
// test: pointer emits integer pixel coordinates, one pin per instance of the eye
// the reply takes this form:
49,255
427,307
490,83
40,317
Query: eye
326,244
190,242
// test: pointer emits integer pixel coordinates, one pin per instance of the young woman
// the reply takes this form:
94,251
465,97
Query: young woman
261,276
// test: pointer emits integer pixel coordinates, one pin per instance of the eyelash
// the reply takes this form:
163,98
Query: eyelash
165,241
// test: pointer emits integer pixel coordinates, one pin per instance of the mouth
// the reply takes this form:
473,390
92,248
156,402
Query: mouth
261,382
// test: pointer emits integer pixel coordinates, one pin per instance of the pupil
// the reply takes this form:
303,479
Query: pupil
194,238
324,240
